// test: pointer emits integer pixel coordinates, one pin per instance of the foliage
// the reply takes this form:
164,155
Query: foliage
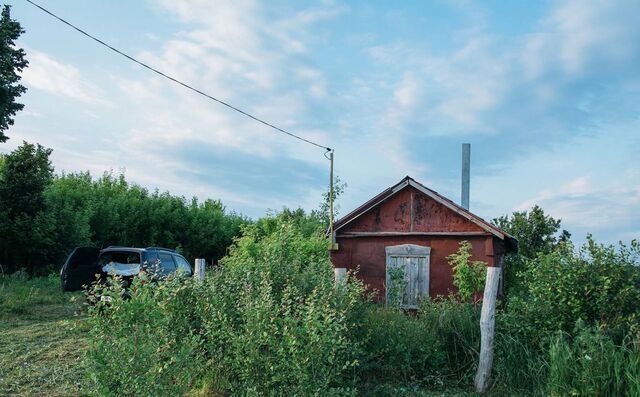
143,345
598,284
324,211
591,296
456,326
21,295
269,321
13,62
402,348
309,224
591,364
468,276
520,363
536,233
435,346
275,323
48,216
396,289
26,226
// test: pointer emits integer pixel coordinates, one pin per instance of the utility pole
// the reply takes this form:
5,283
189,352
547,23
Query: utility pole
333,245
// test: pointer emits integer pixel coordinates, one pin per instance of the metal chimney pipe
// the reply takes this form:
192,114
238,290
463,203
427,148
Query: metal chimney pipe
466,171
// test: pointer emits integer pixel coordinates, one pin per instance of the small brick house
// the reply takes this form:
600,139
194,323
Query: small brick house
412,227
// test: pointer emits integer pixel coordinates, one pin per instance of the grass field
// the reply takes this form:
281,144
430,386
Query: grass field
43,337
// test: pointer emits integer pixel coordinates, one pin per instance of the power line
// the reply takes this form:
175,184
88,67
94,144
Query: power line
129,57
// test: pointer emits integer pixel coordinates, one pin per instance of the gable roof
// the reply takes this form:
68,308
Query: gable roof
511,241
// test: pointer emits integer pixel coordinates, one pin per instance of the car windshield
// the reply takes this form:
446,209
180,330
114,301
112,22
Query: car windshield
119,257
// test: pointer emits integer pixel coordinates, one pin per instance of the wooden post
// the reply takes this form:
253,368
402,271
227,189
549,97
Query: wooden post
340,274
199,271
487,327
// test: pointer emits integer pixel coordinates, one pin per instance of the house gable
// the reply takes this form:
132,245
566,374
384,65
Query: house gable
410,207
409,210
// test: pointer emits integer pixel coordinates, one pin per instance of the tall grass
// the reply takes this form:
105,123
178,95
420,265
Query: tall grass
519,365
435,346
23,295
590,364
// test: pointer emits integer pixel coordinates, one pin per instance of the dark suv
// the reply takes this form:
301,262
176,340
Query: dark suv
88,264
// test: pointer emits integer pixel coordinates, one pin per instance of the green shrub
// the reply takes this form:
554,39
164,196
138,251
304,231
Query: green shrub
274,322
599,285
457,326
270,321
468,276
144,344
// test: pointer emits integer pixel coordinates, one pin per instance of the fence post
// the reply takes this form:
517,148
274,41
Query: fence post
340,274
487,328
199,271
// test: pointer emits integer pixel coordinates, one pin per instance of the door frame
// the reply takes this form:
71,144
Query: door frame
408,250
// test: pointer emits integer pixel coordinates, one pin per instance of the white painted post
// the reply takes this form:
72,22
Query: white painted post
340,274
487,328
199,270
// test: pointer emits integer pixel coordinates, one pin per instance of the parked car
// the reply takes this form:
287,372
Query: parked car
86,265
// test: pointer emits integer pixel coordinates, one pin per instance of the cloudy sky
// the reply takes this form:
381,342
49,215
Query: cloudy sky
547,93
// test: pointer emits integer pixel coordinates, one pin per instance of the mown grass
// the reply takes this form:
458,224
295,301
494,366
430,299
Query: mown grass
42,338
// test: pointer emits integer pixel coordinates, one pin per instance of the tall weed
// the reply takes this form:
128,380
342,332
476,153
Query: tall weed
591,364
141,342
436,345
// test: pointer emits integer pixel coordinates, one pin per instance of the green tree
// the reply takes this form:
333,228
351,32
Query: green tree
25,226
12,62
537,233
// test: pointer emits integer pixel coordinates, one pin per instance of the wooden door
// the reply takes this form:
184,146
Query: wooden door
407,264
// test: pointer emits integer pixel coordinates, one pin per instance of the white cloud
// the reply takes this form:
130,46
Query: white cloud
495,85
587,205
580,37
239,54
47,74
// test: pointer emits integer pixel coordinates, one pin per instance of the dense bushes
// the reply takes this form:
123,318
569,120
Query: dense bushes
146,345
575,321
45,216
597,284
271,321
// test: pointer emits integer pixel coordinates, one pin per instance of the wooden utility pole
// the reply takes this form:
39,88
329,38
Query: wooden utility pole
487,329
332,245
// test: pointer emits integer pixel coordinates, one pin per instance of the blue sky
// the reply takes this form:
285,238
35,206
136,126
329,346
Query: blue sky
547,93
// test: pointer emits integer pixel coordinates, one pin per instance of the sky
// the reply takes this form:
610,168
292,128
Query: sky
546,92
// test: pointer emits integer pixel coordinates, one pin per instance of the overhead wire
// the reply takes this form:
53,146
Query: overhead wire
175,80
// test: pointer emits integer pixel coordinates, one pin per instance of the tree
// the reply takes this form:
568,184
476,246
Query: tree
537,233
25,226
12,61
